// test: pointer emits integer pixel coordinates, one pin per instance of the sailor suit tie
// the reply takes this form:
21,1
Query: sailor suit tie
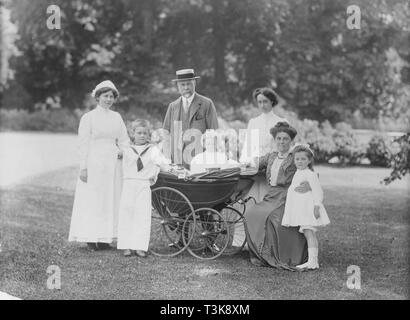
140,165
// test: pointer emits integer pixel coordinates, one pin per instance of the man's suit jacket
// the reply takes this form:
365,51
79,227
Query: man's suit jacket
202,116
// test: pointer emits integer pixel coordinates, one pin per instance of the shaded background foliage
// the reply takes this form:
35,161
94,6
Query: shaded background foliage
303,49
330,79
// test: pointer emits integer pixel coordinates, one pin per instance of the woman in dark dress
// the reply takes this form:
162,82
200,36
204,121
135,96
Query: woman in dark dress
269,242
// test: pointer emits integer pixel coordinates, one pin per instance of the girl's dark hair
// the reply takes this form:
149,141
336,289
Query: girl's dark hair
308,152
104,90
268,93
283,127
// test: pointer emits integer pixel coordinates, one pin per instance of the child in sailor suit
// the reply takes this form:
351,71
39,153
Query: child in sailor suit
142,162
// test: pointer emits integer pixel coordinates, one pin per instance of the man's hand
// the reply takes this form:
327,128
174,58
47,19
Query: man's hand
303,187
83,175
317,212
245,164
119,154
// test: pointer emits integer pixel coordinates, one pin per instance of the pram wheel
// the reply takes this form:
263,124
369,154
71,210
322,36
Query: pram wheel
236,226
210,234
170,209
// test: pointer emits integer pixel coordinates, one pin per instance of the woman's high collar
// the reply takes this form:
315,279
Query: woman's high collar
283,155
101,109
269,114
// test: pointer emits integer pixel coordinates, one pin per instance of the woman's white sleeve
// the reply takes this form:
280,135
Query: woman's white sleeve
84,137
317,190
248,148
123,139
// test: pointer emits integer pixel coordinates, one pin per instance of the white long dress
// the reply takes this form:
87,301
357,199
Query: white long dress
96,202
135,206
299,207
258,145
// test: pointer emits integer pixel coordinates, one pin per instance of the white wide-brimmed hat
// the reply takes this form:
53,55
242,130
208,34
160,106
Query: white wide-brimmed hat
103,85
185,74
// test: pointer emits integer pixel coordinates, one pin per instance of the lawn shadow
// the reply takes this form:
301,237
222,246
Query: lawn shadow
369,228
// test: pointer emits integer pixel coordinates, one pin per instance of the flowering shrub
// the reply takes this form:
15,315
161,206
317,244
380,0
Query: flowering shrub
400,160
348,149
378,151
319,137
58,120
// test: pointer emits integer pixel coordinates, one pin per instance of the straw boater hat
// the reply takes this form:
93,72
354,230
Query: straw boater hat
103,85
185,74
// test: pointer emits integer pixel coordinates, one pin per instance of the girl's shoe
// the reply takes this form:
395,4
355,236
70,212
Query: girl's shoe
127,253
141,253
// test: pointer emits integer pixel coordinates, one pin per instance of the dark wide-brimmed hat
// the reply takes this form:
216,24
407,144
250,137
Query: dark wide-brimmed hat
185,74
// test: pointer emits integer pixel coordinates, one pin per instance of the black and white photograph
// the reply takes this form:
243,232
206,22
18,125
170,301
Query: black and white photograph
204,154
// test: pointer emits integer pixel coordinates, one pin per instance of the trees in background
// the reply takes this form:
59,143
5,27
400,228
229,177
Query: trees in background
400,162
302,48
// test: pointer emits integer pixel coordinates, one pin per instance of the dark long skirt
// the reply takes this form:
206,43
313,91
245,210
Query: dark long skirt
270,242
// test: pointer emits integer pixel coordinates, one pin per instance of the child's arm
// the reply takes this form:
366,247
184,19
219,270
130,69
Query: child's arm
316,188
317,192
158,158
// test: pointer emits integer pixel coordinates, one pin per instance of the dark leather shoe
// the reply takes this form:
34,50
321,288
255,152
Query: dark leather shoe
103,246
256,262
141,253
92,246
127,253
177,245
213,247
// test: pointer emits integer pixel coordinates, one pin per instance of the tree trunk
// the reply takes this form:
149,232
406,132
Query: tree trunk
220,42
2,49
147,11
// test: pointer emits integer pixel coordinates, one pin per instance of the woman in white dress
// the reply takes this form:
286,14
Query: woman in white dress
260,144
102,134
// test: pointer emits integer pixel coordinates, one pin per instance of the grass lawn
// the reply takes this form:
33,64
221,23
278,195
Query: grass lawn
369,228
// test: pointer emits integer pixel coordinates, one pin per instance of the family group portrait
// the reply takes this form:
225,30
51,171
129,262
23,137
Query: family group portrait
204,150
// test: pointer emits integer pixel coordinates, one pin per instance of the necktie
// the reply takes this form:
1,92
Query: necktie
140,165
186,105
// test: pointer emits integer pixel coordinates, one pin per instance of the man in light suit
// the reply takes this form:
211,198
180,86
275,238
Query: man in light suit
187,118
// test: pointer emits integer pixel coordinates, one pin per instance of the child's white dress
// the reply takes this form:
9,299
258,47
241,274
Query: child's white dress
134,225
299,207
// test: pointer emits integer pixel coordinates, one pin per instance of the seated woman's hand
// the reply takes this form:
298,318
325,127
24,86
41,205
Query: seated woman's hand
166,168
247,164
83,175
303,187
